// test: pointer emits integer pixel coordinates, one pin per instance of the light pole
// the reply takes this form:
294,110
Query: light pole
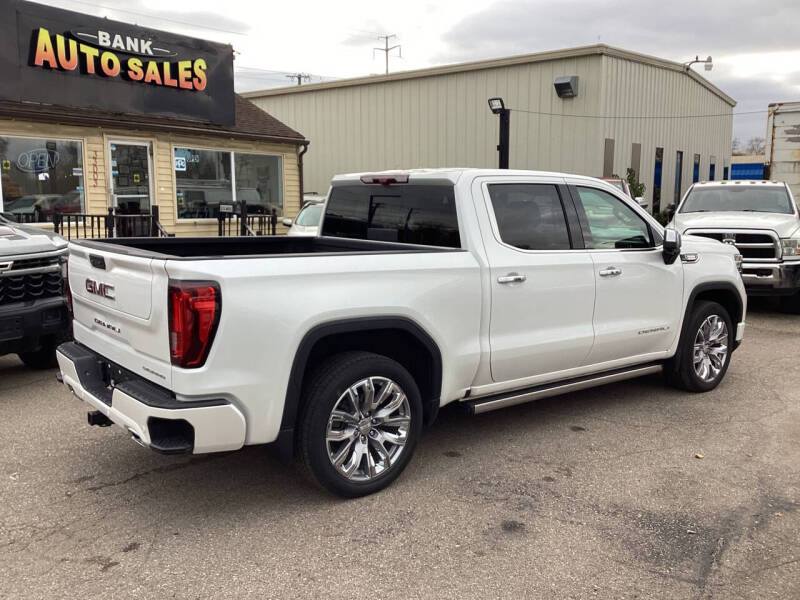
498,107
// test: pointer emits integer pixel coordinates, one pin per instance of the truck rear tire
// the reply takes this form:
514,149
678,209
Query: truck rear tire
361,421
43,358
704,353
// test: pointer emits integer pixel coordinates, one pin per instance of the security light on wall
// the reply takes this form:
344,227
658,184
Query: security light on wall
708,64
566,86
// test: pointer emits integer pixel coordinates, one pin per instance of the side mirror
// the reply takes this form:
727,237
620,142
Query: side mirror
287,222
672,246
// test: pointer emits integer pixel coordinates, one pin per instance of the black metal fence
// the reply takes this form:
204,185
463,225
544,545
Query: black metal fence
112,224
239,221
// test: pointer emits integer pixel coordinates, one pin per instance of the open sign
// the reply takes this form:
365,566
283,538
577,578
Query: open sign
38,160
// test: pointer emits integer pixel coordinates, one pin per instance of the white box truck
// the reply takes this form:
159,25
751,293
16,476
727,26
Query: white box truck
782,160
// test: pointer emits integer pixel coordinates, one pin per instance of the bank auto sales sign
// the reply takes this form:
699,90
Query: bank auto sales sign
74,59
103,53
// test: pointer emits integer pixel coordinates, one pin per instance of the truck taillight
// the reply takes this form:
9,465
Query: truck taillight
194,309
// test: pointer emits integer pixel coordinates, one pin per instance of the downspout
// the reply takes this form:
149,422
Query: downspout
300,167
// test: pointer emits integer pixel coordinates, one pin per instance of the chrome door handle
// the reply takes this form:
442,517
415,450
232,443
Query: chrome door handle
511,278
610,272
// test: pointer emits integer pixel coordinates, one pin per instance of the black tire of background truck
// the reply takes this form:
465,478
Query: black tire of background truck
321,392
791,304
679,370
43,358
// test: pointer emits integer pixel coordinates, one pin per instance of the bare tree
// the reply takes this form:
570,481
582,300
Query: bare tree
736,147
755,145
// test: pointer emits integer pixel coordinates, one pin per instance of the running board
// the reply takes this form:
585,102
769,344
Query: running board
477,406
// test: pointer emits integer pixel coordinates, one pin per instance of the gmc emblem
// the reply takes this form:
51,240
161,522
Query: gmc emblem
100,289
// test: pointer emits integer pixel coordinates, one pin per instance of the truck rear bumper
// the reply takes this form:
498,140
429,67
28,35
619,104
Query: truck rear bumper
152,415
768,279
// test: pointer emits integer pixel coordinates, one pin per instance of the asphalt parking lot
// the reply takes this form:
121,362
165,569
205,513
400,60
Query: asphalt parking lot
598,494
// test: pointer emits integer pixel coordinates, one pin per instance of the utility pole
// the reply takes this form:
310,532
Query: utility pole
300,77
386,49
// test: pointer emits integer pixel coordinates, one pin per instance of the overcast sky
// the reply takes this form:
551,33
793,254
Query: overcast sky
754,44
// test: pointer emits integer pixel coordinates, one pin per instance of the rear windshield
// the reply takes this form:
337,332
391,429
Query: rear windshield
749,198
410,214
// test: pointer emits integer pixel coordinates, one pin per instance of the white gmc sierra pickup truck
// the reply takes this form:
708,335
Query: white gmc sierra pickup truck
484,287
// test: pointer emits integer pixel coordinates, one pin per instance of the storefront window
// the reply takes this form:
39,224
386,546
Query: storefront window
204,182
258,182
39,176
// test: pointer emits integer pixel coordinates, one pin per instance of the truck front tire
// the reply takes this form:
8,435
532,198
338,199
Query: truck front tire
791,304
704,353
361,421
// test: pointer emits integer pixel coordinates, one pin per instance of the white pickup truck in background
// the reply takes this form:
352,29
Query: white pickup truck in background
759,218
483,287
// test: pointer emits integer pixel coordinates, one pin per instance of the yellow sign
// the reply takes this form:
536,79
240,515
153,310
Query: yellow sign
136,178
6,165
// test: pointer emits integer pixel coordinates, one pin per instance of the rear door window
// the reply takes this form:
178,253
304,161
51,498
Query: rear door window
530,216
410,214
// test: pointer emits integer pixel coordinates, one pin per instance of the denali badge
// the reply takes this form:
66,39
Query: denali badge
654,330
113,328
100,289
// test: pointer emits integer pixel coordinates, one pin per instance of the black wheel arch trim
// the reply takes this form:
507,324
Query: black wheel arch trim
710,286
291,405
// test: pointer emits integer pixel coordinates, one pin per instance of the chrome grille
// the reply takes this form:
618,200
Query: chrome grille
34,263
754,246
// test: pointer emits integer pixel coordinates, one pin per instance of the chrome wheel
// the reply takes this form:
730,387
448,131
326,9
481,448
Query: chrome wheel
368,428
710,348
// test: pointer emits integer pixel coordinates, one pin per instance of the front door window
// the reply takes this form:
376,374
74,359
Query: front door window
130,177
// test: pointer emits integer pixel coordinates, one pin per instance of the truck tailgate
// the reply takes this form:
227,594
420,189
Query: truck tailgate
119,304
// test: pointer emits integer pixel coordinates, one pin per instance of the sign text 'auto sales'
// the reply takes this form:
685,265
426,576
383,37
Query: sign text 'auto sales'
101,56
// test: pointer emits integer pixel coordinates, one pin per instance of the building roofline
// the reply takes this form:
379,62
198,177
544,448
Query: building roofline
575,52
21,111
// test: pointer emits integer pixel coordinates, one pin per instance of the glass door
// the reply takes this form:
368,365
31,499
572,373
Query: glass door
130,177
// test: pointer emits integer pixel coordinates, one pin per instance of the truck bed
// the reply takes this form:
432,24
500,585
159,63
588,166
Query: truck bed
201,248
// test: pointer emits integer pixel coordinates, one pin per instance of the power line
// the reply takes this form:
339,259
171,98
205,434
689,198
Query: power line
551,114
386,49
158,17
271,71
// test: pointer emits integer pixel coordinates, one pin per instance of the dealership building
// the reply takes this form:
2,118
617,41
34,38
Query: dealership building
98,115
611,110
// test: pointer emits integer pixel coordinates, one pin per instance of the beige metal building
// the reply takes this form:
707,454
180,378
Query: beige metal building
631,110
